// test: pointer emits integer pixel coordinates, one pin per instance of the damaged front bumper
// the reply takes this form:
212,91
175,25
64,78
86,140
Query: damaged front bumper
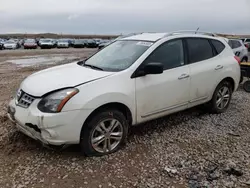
56,129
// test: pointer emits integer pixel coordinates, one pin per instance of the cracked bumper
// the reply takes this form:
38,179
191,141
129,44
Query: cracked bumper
51,129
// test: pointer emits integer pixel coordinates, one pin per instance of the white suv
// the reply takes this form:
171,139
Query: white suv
239,49
133,80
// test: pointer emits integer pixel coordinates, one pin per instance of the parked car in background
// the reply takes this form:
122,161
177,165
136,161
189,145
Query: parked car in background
2,41
246,41
17,41
71,42
238,48
63,43
74,110
30,44
91,43
46,43
79,43
104,43
10,44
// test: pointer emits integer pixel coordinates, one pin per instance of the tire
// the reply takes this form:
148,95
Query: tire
212,106
244,59
93,129
241,79
246,86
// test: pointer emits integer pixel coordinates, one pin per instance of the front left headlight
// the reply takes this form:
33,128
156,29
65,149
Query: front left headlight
55,101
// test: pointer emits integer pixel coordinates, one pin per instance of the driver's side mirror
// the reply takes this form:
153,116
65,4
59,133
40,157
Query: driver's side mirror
153,68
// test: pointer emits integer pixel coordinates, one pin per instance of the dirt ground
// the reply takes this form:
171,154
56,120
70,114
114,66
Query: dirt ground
188,149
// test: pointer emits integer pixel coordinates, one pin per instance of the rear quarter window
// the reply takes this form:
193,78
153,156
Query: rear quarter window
199,49
219,46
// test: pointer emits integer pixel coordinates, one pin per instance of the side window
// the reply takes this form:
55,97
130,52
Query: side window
219,47
199,49
248,40
236,44
170,54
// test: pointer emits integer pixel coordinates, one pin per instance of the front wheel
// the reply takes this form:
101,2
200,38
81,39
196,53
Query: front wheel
221,98
105,133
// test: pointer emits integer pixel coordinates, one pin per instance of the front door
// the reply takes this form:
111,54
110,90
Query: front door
159,95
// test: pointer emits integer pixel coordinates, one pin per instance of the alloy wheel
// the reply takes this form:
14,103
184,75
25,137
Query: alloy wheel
107,135
223,97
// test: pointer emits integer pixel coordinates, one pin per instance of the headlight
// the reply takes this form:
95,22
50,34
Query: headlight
54,102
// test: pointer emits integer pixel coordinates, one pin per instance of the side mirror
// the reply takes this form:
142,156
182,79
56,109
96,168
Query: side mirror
153,68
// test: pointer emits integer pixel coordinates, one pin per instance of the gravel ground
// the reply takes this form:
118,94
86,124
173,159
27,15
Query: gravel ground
188,149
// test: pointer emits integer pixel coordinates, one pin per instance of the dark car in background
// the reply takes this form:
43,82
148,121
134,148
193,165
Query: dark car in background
2,41
91,43
79,43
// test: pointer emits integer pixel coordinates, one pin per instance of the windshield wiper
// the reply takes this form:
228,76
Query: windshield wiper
92,66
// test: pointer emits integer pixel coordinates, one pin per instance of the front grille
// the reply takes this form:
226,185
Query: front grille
23,99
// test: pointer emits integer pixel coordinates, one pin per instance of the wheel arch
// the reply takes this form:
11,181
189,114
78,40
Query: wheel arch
230,80
245,57
112,105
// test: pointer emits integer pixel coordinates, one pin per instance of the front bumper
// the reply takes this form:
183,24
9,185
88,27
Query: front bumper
49,128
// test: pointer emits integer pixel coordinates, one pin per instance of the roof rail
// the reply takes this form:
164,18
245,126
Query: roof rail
190,31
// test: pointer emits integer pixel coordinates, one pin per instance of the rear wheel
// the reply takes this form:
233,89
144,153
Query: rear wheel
246,86
105,133
221,98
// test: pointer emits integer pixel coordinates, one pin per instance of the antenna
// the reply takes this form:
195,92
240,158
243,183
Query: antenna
197,30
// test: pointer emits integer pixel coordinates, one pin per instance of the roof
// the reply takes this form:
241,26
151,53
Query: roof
152,37
146,37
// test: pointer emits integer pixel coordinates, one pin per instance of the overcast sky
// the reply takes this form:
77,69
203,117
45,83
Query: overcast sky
123,16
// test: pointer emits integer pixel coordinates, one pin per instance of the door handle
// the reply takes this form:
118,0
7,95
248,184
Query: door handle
218,67
183,76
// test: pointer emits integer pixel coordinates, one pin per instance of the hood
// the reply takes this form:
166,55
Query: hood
62,43
46,43
9,44
58,77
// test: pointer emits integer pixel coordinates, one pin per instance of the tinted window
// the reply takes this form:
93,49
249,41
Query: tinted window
230,43
170,54
248,40
199,50
235,44
219,47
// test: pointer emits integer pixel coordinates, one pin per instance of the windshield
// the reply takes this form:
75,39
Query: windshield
10,42
45,40
119,55
80,41
63,40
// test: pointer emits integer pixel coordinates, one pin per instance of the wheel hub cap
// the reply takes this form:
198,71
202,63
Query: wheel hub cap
222,98
107,135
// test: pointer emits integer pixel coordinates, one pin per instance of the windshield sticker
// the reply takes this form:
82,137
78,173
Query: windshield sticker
144,43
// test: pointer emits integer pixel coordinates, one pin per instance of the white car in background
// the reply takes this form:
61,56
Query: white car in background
133,80
47,43
238,48
246,41
10,44
63,43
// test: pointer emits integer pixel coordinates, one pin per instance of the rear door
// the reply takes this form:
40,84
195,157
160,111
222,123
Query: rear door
205,68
